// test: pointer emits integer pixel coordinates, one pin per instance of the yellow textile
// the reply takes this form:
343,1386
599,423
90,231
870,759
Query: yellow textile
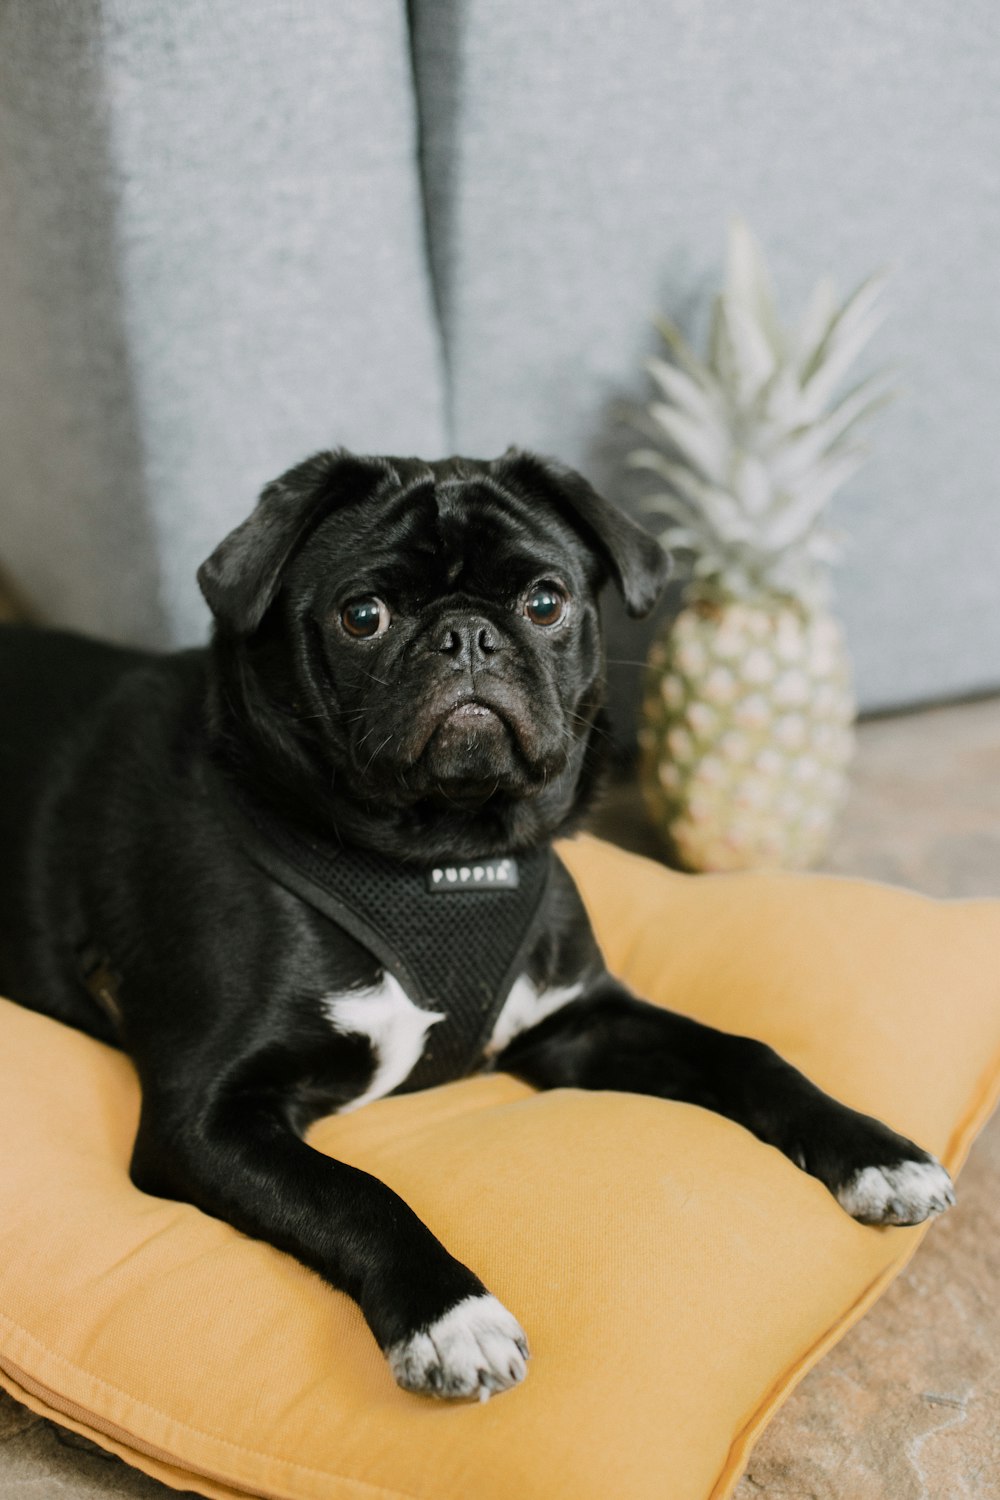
675,1277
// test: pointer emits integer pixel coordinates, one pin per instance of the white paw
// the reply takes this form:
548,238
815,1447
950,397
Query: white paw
904,1194
474,1350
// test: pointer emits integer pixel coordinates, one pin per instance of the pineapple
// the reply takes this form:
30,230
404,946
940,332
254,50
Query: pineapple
748,713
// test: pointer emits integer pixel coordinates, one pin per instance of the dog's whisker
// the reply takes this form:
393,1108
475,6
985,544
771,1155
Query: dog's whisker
593,727
378,749
372,677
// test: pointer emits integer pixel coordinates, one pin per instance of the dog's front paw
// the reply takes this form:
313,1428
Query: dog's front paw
906,1193
476,1349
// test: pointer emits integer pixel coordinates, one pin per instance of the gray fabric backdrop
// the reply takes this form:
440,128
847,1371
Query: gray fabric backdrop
221,248
211,262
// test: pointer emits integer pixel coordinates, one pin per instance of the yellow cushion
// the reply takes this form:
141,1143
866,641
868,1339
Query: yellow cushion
676,1278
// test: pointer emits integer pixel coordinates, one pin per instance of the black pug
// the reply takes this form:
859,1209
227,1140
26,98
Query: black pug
312,865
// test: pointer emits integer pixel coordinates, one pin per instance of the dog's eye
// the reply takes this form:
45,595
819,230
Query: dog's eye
545,603
363,618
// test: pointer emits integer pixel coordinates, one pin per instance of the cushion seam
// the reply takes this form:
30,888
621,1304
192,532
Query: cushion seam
137,1402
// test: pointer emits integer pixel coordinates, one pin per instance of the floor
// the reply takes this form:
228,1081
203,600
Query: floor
907,1406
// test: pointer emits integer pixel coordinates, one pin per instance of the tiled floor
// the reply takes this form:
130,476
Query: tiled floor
907,1406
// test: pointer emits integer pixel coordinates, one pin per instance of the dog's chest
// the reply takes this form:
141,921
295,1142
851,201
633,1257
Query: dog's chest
452,941
398,1030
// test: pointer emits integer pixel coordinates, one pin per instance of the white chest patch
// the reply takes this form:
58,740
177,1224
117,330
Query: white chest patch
525,1006
395,1027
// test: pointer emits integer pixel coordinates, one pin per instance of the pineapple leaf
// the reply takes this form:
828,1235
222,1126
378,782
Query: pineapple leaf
672,506
858,405
650,458
796,459
823,546
684,484
738,356
682,352
638,417
735,583
796,518
779,416
777,409
847,335
751,484
820,387
718,512
684,391
814,325
682,538
840,465
705,449
748,285
755,359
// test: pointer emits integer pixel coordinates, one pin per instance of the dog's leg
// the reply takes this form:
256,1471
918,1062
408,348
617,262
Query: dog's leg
441,1331
609,1040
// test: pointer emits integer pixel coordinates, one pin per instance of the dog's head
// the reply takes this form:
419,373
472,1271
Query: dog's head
420,642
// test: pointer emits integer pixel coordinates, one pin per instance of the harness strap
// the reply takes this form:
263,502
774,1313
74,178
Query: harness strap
455,936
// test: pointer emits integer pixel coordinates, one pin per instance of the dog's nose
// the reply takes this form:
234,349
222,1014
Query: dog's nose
468,640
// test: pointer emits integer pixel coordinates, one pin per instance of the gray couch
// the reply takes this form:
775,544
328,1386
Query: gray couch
232,232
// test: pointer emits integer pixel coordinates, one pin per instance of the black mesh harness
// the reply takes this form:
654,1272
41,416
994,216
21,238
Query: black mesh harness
456,935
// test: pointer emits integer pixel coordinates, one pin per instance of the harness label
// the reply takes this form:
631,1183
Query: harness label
479,874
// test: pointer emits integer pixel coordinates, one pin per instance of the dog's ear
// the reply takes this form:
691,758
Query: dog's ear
638,563
243,574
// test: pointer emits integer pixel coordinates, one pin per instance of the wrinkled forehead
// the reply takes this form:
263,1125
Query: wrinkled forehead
439,531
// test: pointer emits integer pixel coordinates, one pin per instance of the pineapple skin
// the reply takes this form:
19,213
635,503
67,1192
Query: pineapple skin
747,734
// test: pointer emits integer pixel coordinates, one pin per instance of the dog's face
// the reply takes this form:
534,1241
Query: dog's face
430,632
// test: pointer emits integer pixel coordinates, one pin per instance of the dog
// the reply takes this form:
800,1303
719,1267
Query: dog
311,865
